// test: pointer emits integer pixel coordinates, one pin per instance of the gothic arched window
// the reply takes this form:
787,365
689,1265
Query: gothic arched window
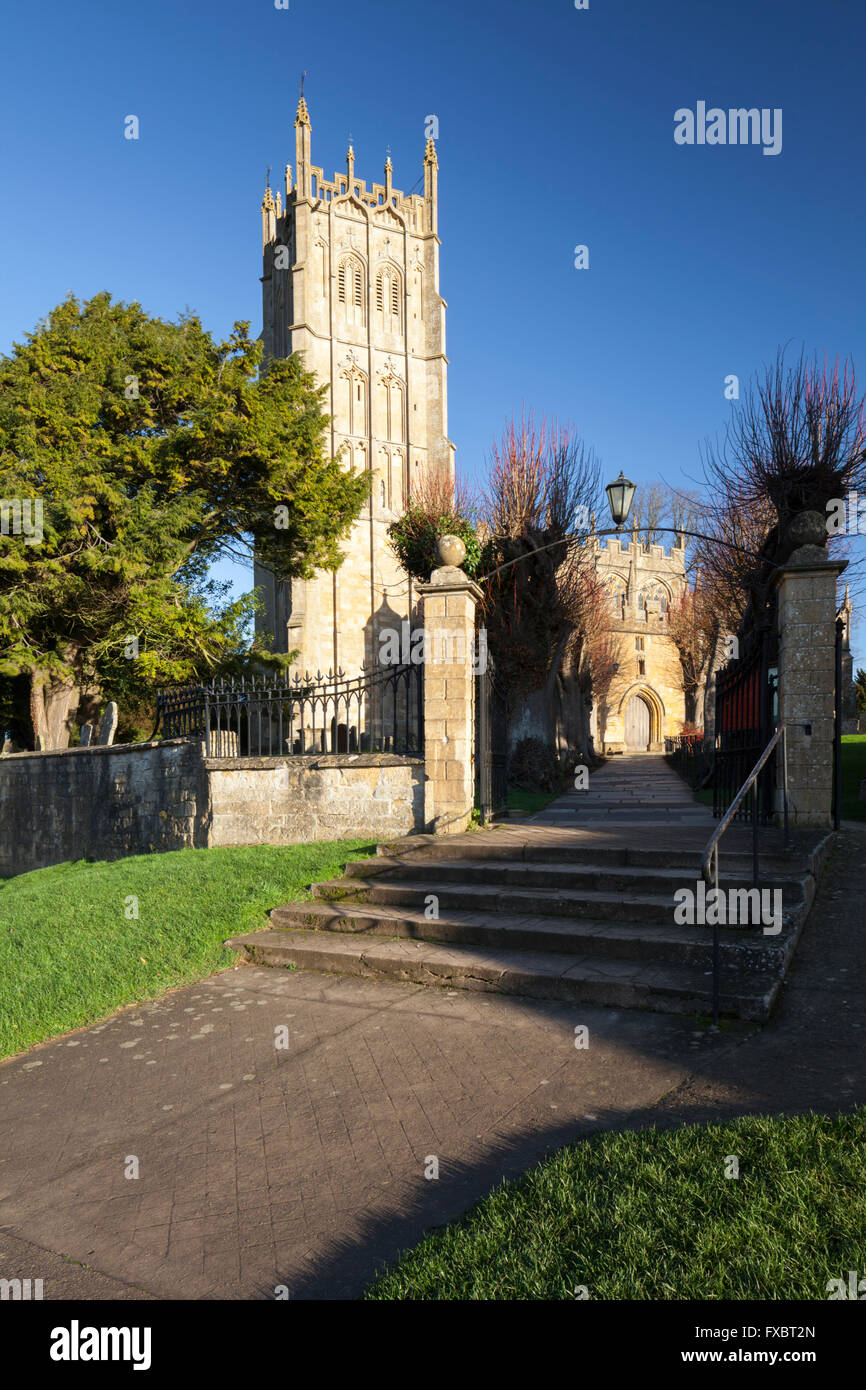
352,401
392,408
616,590
389,295
653,597
350,288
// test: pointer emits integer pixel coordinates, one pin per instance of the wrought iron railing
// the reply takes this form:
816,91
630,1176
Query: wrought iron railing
738,809
491,743
746,713
691,756
379,711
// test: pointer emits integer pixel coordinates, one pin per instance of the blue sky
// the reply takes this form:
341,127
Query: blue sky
556,129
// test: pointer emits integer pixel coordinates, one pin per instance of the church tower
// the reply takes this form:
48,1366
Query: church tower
351,280
645,702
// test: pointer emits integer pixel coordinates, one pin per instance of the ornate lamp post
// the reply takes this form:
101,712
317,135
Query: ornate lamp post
619,497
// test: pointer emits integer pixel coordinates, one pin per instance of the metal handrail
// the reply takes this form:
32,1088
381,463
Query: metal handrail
710,860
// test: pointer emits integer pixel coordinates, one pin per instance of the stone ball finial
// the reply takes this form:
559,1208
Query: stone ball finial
807,528
451,550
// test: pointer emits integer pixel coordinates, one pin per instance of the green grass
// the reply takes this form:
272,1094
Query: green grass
651,1215
70,956
853,772
526,803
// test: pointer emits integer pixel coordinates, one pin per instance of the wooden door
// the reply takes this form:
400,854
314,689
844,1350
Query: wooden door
637,724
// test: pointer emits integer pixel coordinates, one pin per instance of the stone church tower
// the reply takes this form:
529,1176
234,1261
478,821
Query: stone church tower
646,701
351,280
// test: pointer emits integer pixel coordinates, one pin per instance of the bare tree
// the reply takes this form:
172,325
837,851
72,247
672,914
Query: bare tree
540,476
796,440
650,512
695,625
684,509
438,505
594,645
437,493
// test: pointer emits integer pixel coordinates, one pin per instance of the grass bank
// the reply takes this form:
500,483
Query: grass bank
72,949
652,1215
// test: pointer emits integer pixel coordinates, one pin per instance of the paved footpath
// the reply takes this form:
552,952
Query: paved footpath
631,789
304,1166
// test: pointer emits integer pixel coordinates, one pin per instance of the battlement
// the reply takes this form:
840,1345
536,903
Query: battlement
417,210
610,550
376,197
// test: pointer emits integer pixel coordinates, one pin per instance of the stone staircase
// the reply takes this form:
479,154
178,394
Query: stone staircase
545,911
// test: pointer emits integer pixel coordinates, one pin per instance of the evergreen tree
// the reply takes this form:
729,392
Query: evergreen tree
134,451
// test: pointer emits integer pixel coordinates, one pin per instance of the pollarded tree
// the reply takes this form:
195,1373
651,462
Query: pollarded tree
695,627
795,442
438,507
149,449
543,485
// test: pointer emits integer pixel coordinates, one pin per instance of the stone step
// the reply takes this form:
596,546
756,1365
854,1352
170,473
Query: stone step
501,843
610,905
632,984
652,803
742,950
511,872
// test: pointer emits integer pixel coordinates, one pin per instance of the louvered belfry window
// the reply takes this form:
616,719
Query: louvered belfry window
350,288
388,296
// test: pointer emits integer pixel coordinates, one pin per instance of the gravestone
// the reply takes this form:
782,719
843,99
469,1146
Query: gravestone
7,746
86,736
107,724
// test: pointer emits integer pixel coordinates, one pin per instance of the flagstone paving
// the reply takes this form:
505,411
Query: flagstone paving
303,1168
630,789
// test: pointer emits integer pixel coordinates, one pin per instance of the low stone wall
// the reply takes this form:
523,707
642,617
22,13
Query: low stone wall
100,803
105,803
281,801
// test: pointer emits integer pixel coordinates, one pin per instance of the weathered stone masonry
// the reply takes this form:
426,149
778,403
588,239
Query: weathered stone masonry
281,801
97,802
105,803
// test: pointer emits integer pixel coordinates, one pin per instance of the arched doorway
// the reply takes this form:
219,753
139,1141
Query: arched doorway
638,724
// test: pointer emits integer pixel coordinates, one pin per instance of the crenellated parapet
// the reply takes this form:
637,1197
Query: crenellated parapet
644,580
418,212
